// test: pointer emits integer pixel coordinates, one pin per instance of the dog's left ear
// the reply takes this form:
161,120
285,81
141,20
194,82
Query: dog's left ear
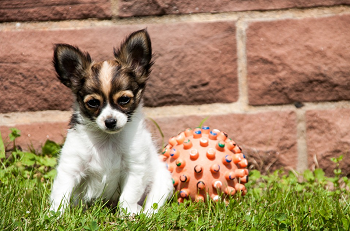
135,53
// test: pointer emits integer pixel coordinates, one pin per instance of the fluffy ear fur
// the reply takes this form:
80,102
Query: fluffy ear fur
71,65
135,54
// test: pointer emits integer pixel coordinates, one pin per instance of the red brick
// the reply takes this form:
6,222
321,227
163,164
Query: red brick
298,60
41,10
328,135
195,64
31,87
129,8
35,135
266,138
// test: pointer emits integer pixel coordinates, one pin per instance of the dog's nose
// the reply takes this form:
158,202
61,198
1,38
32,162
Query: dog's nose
110,123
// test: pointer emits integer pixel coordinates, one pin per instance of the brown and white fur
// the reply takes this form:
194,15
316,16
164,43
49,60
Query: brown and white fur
108,152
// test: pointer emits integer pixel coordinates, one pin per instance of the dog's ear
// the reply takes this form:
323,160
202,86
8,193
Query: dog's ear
135,53
71,65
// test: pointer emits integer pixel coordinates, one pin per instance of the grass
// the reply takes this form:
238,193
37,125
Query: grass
278,201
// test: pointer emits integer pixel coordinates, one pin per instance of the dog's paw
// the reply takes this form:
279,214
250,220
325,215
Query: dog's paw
129,209
57,209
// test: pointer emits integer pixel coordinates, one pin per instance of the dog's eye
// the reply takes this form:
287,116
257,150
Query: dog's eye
124,100
93,103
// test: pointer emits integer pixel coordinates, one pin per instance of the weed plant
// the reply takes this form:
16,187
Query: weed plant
278,201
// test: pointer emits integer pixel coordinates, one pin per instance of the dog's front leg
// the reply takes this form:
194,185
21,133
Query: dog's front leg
66,180
161,189
131,193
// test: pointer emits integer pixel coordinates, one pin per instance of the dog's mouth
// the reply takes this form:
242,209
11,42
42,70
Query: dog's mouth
112,130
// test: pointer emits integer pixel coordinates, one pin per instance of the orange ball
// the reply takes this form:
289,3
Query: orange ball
204,161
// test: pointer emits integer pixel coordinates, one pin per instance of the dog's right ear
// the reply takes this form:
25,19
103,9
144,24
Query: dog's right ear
135,53
71,65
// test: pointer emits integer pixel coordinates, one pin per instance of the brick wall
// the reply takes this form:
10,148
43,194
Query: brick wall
273,74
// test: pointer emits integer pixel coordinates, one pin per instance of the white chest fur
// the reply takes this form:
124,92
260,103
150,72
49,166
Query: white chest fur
103,170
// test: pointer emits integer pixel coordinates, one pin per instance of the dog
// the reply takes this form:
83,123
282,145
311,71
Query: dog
108,152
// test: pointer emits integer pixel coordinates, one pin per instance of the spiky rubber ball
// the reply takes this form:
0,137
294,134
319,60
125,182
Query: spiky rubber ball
205,162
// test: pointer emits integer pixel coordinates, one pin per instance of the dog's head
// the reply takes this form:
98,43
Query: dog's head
107,92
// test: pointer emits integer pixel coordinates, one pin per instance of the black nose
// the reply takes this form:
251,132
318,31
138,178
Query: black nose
110,123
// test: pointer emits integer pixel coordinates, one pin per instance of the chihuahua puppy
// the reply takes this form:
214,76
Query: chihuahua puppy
108,152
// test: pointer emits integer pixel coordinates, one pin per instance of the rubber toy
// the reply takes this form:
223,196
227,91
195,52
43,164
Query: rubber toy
204,163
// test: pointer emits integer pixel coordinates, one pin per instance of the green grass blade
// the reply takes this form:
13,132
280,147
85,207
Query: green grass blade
159,129
2,147
203,121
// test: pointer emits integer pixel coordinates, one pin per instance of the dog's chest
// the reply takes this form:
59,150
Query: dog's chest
105,169
106,159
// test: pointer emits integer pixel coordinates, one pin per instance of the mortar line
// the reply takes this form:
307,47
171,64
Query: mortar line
242,64
114,8
302,161
248,16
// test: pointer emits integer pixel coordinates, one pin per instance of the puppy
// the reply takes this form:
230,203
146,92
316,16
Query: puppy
108,152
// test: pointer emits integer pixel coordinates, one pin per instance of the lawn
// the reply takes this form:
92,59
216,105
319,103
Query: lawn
277,201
